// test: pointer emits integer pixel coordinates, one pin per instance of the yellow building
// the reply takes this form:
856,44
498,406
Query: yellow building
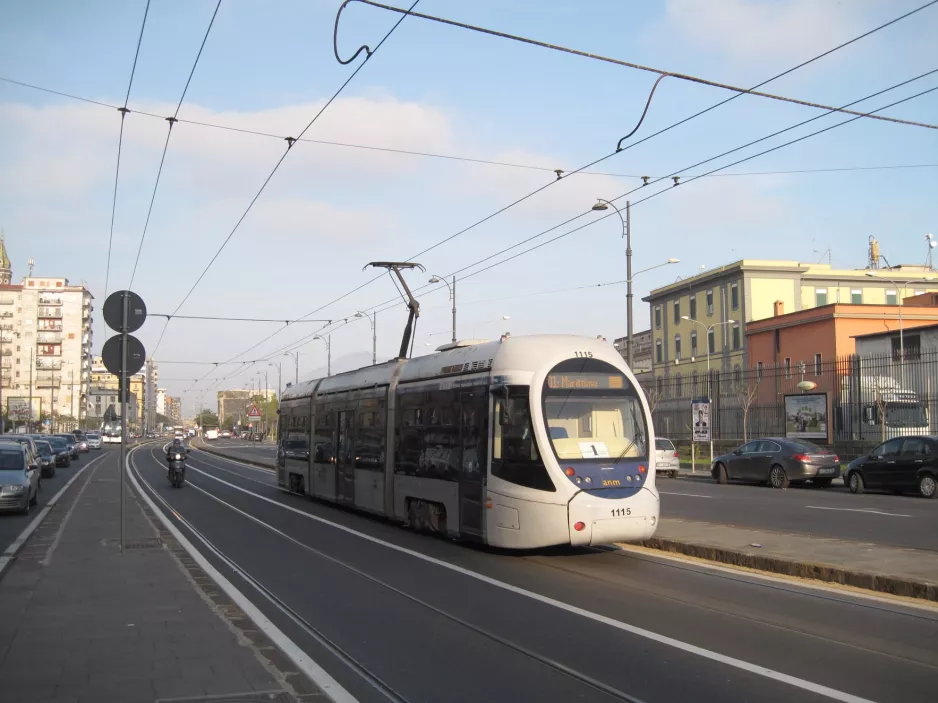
705,315
104,379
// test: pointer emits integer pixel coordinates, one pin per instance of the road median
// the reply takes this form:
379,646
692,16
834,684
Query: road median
232,453
897,571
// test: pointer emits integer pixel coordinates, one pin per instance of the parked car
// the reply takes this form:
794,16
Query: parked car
72,443
32,453
778,462
666,457
94,440
46,458
900,465
63,453
225,435
20,478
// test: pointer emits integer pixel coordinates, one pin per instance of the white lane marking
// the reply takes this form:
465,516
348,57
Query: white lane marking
241,476
869,511
216,455
304,663
794,581
15,546
689,495
819,689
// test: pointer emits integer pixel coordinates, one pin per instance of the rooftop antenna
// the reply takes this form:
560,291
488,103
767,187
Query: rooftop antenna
930,239
873,261
30,264
827,253
396,267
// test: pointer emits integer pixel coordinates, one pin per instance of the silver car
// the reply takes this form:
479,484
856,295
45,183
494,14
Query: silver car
94,440
20,478
666,458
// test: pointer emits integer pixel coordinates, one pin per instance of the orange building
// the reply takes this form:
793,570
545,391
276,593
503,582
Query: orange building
813,339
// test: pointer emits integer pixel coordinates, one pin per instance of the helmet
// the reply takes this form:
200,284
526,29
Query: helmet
177,442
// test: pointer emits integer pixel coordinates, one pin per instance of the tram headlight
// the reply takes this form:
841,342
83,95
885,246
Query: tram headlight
589,480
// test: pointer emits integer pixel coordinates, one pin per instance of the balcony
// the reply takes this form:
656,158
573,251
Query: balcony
49,314
7,352
48,381
49,337
50,326
6,364
6,301
6,313
50,300
50,353
53,364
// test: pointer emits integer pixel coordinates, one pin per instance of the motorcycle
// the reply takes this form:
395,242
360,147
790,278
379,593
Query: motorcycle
177,468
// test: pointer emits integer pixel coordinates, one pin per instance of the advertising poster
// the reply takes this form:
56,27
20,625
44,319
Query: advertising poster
806,416
701,419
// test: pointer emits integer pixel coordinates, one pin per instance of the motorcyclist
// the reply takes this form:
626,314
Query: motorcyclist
178,446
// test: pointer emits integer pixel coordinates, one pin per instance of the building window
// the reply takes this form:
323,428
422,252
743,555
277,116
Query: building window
709,303
787,367
734,296
711,341
820,297
736,340
693,343
892,297
693,307
856,296
658,354
657,317
912,343
918,292
677,312
817,364
677,346
759,372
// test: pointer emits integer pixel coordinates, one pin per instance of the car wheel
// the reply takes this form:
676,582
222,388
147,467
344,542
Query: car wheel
823,482
721,476
928,486
778,478
25,509
855,482
674,474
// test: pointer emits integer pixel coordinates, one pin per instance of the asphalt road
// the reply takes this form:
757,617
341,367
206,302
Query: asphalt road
895,520
262,451
12,524
434,620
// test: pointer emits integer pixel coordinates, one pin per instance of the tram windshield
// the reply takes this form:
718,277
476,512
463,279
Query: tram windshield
593,412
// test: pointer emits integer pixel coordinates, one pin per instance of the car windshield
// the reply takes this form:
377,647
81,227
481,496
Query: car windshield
294,444
92,435
592,411
44,448
805,446
664,445
11,461
57,443
905,415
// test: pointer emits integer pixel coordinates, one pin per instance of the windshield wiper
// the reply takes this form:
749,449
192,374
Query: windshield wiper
632,443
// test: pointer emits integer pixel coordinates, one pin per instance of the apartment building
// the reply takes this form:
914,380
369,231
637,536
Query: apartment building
103,379
702,320
174,410
45,343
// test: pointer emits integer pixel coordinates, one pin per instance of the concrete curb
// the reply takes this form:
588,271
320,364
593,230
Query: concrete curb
789,567
202,448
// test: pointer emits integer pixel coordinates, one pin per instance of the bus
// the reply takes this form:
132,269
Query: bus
522,443
112,432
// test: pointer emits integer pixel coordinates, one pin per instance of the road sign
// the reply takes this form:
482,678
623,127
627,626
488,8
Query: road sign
701,419
111,355
114,311
254,415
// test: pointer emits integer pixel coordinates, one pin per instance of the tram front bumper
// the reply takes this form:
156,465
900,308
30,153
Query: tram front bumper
597,517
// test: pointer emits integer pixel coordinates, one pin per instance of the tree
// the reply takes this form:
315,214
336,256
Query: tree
747,395
207,419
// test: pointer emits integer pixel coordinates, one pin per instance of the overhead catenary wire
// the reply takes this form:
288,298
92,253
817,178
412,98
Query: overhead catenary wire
169,132
290,143
660,72
232,319
120,140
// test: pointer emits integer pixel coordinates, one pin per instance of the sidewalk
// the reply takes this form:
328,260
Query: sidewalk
79,621
904,572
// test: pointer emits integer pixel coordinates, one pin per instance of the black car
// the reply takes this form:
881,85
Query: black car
901,464
72,443
778,461
63,454
46,458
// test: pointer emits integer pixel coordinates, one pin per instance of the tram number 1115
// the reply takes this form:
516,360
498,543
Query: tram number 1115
621,512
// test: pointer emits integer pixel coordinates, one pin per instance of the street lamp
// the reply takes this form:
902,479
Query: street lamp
600,206
452,297
708,329
296,358
899,297
374,337
328,340
487,322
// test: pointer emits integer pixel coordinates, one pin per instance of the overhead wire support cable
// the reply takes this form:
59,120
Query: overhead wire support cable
290,142
169,132
120,140
640,67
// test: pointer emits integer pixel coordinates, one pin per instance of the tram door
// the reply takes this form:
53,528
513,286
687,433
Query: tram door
473,423
345,462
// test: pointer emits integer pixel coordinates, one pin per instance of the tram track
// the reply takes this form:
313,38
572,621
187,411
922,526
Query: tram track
334,648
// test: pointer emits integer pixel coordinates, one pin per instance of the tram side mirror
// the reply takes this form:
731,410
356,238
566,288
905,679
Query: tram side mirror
505,412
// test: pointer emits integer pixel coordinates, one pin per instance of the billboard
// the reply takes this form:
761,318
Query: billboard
18,409
701,419
807,416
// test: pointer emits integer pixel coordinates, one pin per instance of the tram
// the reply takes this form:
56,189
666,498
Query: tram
526,442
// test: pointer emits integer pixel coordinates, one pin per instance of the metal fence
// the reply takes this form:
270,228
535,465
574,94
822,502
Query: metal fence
864,392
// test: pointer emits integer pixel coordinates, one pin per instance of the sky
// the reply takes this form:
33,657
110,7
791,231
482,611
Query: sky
331,209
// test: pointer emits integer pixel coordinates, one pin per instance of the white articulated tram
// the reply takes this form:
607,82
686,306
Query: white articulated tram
527,442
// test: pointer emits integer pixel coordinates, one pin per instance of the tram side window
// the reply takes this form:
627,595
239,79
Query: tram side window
514,453
474,409
441,446
369,439
409,434
323,444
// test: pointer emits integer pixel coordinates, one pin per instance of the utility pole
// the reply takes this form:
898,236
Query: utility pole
52,400
628,275
29,422
71,409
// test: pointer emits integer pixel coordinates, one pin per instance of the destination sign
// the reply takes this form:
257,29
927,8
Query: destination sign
586,381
